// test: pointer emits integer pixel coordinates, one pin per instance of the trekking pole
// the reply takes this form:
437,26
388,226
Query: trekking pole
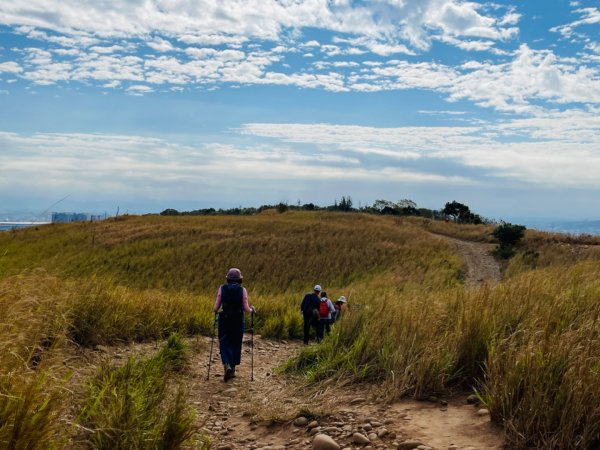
252,345
212,342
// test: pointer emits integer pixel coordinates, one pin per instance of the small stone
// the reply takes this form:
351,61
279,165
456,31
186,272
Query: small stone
408,445
372,436
294,441
331,430
382,432
361,439
367,427
388,421
443,403
453,447
313,424
483,412
324,442
225,447
357,400
230,391
376,424
347,428
473,399
424,447
102,348
315,430
301,421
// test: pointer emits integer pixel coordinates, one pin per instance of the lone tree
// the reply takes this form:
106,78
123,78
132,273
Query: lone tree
461,213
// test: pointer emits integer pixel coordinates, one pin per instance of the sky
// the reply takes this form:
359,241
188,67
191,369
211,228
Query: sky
143,105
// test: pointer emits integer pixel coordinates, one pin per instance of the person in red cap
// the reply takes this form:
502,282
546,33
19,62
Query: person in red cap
232,300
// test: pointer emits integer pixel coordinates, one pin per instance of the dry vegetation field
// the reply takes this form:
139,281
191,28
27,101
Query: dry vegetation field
529,347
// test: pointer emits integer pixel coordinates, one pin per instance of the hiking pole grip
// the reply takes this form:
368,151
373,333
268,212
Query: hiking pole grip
212,342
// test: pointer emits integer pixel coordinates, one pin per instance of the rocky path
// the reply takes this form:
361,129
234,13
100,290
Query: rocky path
274,412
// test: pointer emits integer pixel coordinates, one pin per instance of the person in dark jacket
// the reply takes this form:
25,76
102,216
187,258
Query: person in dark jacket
310,311
232,300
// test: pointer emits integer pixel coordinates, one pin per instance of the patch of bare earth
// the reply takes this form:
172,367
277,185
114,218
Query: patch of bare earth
479,264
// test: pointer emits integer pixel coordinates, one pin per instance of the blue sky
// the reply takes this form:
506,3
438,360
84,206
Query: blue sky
151,104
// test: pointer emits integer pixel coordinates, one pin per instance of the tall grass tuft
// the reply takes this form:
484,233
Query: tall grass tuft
530,348
132,407
30,407
31,374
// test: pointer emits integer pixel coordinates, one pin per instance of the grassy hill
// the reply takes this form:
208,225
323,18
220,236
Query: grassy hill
277,253
528,346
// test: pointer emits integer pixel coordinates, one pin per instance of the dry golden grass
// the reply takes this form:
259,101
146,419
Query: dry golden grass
529,346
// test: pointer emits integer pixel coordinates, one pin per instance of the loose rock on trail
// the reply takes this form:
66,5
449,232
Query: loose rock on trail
264,414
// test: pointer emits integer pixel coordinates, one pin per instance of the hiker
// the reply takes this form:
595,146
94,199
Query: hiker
325,310
232,300
310,311
340,308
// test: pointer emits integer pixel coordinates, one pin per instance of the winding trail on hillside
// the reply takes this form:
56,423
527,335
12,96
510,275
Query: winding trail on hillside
480,265
250,415
258,414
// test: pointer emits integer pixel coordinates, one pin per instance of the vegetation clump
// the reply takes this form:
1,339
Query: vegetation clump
131,407
508,236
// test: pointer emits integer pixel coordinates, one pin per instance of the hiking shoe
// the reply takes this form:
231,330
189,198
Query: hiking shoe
228,372
232,371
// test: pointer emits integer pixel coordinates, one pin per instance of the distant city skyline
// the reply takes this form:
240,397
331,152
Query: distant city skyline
148,105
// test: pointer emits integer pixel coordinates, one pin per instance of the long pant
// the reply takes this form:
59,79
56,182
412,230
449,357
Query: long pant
309,321
324,325
231,333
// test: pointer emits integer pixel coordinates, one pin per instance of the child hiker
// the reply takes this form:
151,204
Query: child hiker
232,300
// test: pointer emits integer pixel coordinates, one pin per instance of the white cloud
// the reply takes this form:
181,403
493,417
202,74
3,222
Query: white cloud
104,50
589,16
160,45
10,67
531,75
236,21
119,165
559,149
139,89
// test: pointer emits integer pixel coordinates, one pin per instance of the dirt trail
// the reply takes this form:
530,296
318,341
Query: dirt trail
245,414
250,415
480,265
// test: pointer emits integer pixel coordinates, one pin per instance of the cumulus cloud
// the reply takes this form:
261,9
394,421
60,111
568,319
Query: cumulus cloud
236,21
159,44
529,76
10,67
